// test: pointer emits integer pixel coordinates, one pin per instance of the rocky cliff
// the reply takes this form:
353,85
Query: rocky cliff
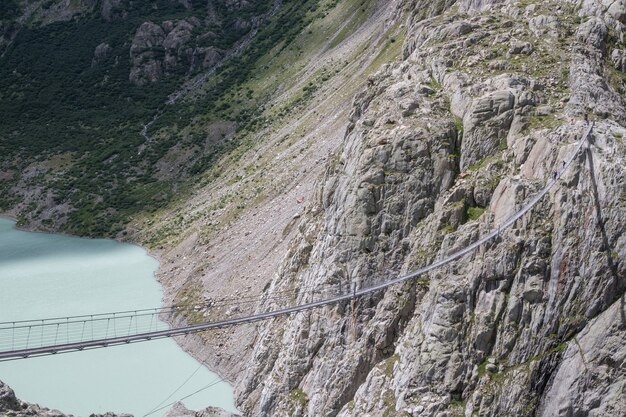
487,101
351,175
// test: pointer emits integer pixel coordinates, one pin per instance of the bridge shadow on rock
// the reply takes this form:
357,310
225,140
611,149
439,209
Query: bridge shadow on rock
607,245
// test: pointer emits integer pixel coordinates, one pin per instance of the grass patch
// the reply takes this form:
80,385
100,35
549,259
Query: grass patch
359,14
389,364
448,228
473,213
188,301
484,162
544,122
389,401
298,400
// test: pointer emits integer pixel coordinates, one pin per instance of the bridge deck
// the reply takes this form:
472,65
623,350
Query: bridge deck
30,338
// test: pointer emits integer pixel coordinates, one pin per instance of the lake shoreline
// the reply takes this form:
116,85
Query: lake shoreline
185,345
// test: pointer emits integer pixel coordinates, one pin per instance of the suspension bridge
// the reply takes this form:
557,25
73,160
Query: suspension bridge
31,338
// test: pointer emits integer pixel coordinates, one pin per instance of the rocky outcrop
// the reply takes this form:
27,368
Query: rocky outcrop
146,54
440,148
157,50
114,10
179,410
8,401
101,54
184,45
590,379
10,406
486,125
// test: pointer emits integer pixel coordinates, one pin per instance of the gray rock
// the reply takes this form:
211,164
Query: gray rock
544,25
618,11
618,57
179,410
101,54
8,401
590,379
485,126
518,47
391,203
145,53
114,10
209,56
13,407
593,32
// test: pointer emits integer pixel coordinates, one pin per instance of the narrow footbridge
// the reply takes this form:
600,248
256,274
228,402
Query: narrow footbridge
24,339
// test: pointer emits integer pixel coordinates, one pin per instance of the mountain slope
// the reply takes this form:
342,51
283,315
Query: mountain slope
228,238
376,137
81,79
485,105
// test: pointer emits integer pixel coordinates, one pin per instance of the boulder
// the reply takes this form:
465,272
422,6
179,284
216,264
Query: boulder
101,53
618,58
8,401
517,47
618,11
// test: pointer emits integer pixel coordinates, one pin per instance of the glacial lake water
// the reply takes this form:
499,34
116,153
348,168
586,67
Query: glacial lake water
50,275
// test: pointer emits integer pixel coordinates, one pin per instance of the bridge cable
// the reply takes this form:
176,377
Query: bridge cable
186,396
156,407
526,207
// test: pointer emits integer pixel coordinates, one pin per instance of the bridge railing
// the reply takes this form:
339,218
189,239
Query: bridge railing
38,337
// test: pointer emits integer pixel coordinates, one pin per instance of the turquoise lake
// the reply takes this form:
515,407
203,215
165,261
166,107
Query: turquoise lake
49,275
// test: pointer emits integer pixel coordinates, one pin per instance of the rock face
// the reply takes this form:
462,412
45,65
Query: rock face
180,46
440,148
179,410
590,380
146,54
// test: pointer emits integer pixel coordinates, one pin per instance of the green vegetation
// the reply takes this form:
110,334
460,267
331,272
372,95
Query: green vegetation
9,9
55,102
458,407
358,16
473,213
458,124
78,123
448,228
389,401
298,400
189,298
389,364
545,122
482,368
486,161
